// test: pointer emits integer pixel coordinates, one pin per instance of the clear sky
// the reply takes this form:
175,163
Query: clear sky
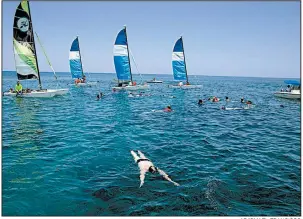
220,38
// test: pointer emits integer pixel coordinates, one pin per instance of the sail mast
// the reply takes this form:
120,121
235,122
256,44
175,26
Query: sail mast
184,60
80,56
32,32
130,69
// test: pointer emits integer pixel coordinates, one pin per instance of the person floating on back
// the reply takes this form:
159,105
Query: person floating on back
168,109
145,165
18,88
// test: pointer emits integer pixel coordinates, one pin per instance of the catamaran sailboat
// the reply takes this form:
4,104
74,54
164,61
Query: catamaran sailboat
179,67
25,53
75,64
122,64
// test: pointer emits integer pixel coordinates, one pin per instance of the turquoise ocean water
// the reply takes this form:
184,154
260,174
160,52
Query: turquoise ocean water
70,155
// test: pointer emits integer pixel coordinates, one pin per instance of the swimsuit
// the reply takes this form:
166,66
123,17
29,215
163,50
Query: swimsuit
141,159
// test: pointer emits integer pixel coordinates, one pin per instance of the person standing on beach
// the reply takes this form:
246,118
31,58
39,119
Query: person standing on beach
146,165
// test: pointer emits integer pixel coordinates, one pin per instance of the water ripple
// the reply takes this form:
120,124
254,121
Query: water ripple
73,151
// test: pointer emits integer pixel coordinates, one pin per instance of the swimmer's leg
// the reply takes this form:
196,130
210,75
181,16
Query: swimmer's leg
141,155
135,156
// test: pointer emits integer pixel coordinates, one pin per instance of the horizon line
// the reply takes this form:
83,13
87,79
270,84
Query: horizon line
165,74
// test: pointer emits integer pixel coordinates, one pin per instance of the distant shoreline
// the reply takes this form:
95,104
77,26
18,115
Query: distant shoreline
45,72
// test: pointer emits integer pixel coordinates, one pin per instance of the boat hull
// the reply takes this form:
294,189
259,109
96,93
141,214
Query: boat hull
40,93
288,95
86,84
154,82
136,87
185,86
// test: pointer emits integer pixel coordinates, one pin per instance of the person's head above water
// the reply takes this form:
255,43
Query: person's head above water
167,109
152,169
200,101
226,98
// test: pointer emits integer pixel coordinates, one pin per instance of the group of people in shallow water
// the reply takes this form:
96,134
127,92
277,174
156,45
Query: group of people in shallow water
200,101
227,99
82,80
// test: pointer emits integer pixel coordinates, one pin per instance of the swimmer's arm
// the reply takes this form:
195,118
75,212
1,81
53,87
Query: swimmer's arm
135,156
162,173
142,177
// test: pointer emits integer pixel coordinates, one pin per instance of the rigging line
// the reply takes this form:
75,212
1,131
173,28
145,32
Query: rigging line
136,65
46,56
88,73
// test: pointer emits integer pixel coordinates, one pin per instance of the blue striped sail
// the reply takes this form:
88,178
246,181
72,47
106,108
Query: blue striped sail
121,58
74,60
178,61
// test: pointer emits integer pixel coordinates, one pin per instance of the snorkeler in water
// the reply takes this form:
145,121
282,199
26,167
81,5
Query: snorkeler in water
167,109
146,165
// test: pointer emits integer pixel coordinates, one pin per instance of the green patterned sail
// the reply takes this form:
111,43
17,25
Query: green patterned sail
24,44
